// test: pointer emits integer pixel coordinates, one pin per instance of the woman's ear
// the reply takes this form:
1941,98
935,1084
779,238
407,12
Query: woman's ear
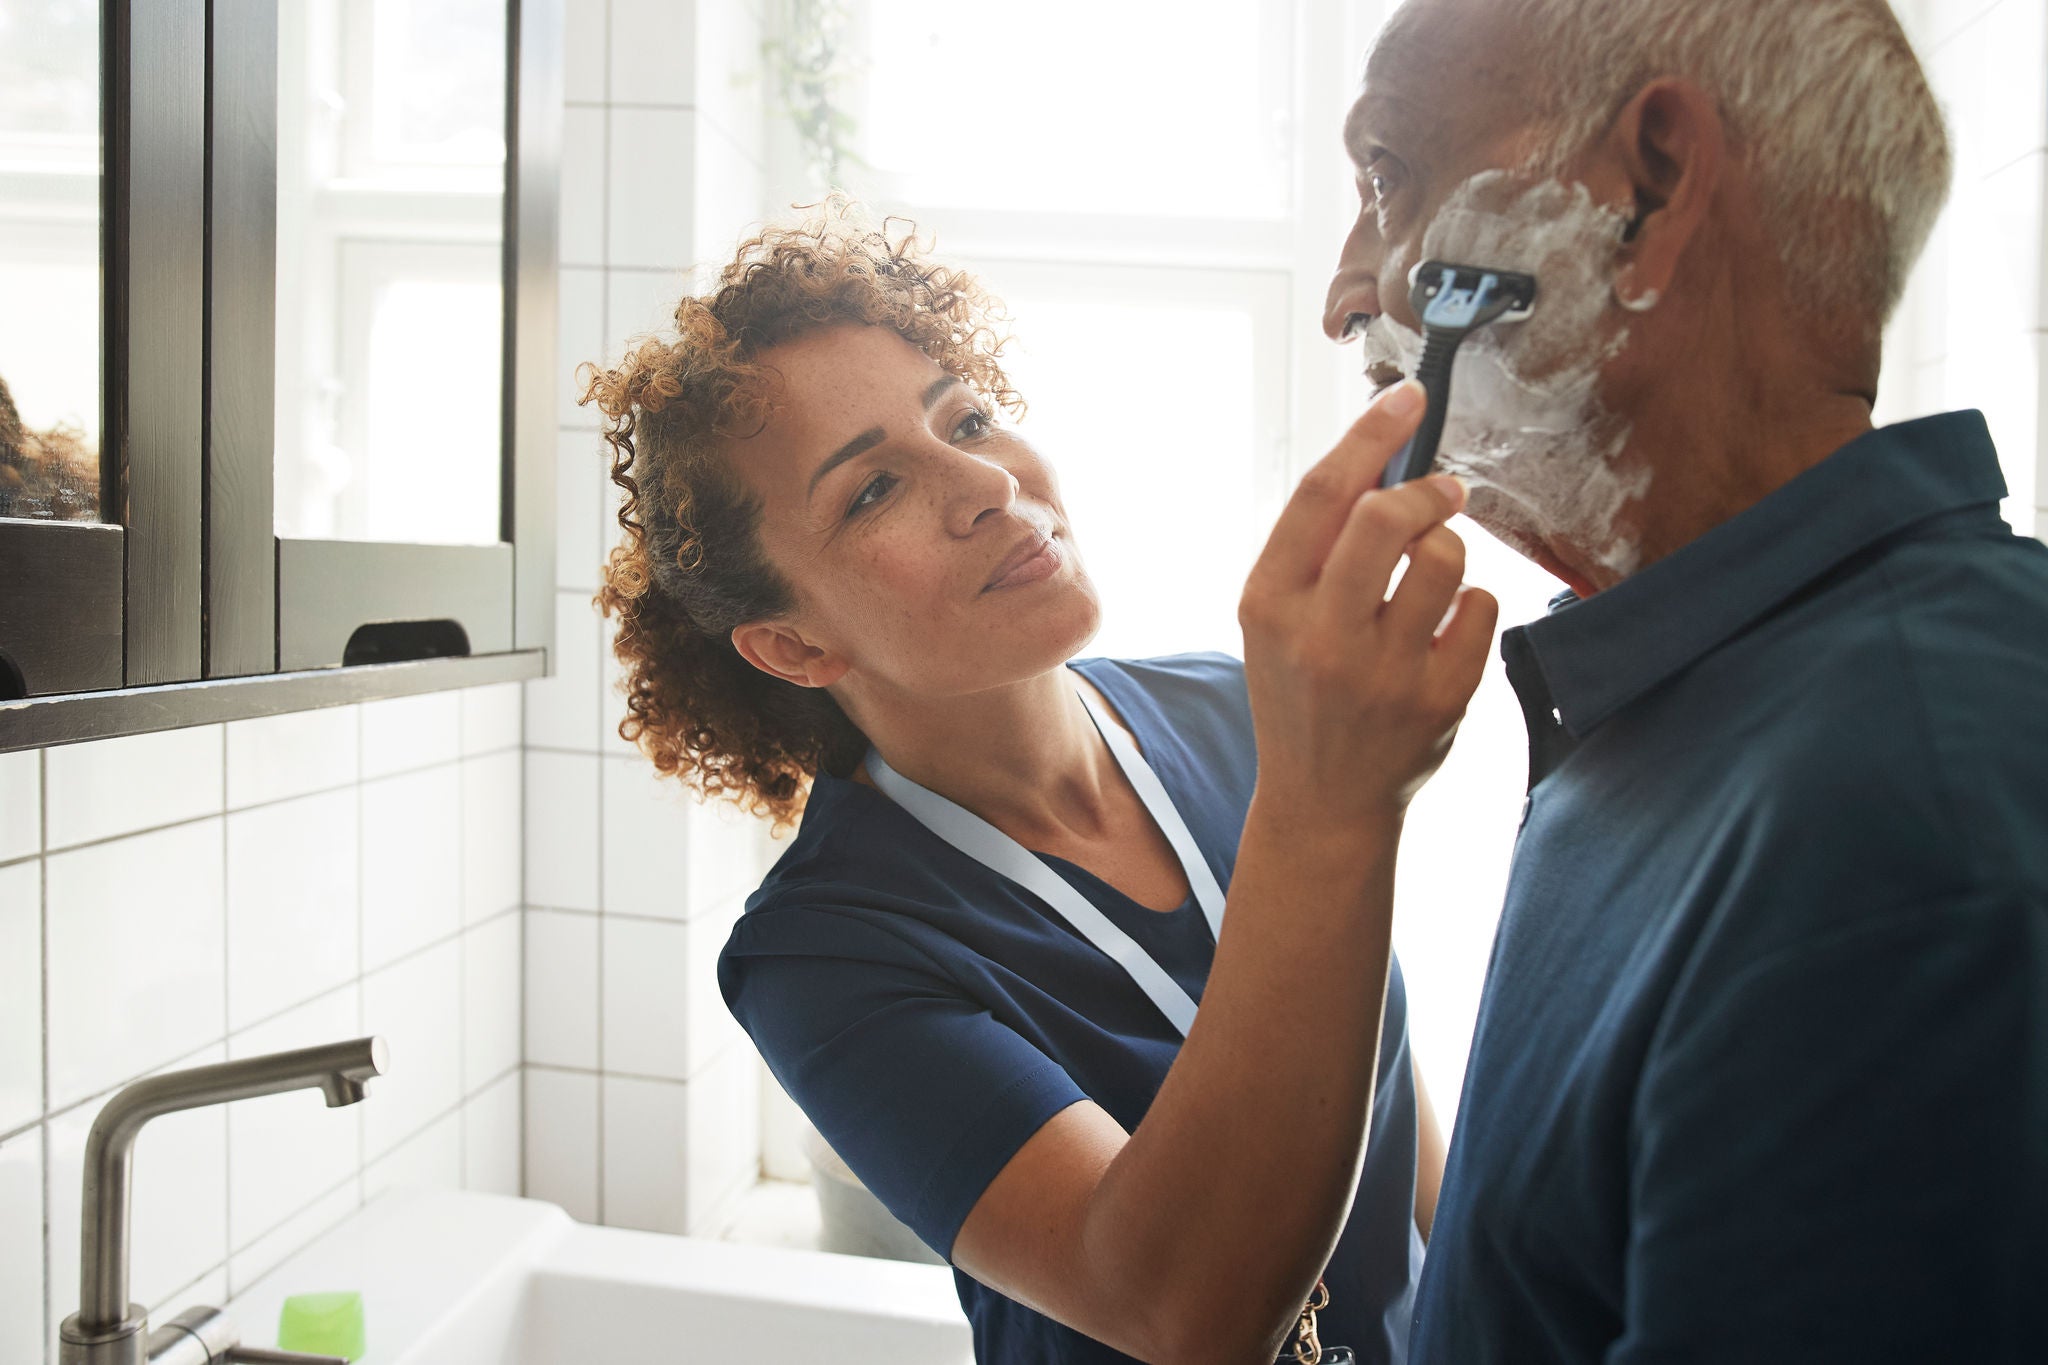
780,652
1670,145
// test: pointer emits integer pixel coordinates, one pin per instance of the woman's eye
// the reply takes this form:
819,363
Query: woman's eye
871,492
973,423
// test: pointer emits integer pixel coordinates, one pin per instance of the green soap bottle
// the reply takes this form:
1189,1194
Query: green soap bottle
323,1324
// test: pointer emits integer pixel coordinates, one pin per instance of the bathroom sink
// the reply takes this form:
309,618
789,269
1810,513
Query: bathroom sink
459,1278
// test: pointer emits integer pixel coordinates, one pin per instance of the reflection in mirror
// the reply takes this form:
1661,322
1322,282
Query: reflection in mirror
390,207
50,259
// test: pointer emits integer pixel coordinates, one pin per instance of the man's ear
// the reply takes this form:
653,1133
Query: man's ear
1670,145
780,652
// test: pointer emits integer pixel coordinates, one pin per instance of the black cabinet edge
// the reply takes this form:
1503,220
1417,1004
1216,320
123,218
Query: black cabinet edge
69,718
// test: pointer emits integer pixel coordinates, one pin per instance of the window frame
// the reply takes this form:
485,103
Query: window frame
185,607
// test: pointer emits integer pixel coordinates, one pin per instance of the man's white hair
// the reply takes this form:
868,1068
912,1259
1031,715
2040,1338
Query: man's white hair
1824,100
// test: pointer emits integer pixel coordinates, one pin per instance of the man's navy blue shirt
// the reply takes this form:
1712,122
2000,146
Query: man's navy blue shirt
1761,1067
929,1015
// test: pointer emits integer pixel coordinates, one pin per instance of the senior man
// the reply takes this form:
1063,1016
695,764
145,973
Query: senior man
1761,1068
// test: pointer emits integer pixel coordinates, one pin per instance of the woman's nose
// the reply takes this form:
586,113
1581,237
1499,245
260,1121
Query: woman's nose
977,489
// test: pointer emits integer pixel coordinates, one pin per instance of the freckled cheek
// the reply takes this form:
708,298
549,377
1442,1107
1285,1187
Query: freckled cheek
892,588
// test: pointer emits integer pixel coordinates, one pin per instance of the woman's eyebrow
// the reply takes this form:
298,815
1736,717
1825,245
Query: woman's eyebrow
874,436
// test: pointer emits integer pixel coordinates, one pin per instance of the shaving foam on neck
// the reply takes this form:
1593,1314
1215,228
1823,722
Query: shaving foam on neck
1526,429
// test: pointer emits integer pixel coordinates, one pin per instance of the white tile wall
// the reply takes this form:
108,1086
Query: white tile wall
579,300
135,952
491,1122
21,1247
490,1002
416,1004
646,1170
412,862
206,894
582,513
723,1134
562,1001
630,884
647,987
561,1139
117,786
492,846
585,47
293,893
562,821
491,718
21,805
21,995
432,1156
403,733
583,169
272,757
562,710
291,1149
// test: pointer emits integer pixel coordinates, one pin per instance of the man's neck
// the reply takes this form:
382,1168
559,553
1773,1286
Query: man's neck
1026,756
1710,463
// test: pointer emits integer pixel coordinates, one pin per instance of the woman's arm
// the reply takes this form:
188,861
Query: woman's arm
1198,1237
1429,1155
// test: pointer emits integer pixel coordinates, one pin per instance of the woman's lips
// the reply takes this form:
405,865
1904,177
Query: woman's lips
1032,562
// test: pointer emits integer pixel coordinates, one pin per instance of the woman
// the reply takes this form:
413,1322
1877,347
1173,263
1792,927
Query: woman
847,591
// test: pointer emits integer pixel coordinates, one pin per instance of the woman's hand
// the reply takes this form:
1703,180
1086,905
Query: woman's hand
1356,695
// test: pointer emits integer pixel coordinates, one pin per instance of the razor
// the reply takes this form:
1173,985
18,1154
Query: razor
1454,301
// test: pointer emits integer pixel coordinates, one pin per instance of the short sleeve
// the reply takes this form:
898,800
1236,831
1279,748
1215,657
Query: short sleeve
920,1089
1840,1157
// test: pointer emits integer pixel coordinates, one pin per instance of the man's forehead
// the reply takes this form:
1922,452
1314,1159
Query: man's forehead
1435,64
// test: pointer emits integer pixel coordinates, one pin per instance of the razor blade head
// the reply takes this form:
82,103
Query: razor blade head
1462,297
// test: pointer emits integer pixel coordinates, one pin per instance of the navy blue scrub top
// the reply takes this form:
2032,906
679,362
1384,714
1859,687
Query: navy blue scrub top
1761,1065
929,1016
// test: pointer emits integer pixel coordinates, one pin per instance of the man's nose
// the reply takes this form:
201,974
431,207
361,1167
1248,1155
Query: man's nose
1354,287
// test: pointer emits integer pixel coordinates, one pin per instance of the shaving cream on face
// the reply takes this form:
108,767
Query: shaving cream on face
1527,430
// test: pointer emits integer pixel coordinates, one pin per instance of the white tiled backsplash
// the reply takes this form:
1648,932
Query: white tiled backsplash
631,886
196,895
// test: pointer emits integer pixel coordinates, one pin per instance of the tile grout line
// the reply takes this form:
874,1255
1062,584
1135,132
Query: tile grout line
227,1129
352,784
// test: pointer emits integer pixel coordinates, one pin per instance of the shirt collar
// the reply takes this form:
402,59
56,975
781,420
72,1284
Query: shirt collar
1600,654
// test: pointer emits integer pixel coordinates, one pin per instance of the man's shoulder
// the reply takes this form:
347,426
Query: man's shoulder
1891,751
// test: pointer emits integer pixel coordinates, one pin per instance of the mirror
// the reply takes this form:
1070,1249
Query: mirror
390,226
50,259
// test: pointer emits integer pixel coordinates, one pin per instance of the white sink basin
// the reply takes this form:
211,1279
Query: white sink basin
454,1278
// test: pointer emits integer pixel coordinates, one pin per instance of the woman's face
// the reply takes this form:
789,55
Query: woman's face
926,547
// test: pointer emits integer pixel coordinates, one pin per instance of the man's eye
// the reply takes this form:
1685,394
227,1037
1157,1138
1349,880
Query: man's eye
1382,178
871,492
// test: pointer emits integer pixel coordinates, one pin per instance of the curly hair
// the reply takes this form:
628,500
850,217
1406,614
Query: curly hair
690,566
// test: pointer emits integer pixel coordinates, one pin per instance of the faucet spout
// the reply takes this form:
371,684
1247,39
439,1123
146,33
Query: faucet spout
338,1070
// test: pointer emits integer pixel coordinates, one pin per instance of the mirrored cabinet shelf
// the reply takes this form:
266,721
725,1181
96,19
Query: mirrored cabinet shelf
277,366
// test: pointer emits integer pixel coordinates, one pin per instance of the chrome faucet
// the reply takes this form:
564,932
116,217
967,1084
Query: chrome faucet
109,1330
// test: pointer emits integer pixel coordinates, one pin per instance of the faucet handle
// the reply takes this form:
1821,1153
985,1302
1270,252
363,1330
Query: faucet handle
270,1355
